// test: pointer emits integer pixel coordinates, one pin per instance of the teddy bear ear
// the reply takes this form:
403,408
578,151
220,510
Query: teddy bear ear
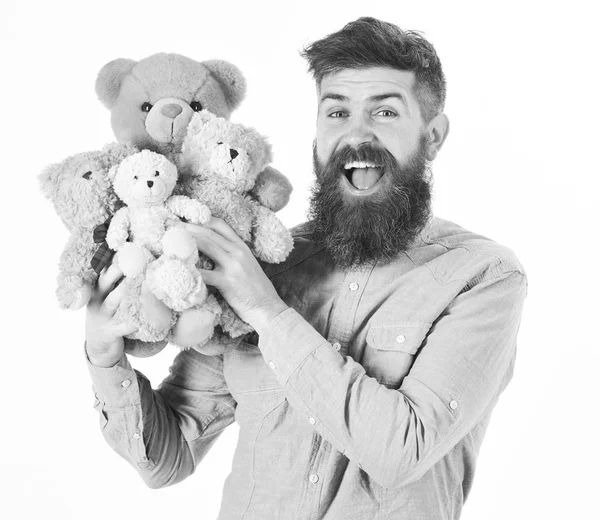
110,78
47,180
231,80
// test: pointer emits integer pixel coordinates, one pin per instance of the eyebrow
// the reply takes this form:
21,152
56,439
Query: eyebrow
377,98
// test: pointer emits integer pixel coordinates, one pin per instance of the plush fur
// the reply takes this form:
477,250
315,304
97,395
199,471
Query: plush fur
224,160
81,192
153,100
146,229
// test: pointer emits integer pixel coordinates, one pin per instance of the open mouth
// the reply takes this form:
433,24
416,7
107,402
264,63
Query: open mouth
363,175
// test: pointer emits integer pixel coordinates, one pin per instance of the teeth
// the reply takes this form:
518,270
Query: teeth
359,164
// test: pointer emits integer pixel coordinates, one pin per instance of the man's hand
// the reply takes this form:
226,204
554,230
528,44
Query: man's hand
237,274
104,337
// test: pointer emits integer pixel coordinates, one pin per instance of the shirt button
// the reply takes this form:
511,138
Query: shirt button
401,338
337,346
353,286
453,404
314,478
271,365
136,435
312,420
125,383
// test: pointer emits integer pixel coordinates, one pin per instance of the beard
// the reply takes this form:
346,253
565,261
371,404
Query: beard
357,230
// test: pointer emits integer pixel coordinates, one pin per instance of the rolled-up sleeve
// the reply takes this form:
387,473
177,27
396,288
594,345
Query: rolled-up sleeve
163,433
460,370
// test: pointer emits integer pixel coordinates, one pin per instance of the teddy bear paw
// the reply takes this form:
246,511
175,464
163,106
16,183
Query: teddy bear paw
178,243
133,259
177,284
195,327
73,293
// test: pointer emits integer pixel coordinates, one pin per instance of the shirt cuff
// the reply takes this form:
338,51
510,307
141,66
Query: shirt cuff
116,386
286,342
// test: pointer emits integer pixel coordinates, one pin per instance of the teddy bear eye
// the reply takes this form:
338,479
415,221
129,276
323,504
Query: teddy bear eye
196,106
87,175
146,107
156,174
220,142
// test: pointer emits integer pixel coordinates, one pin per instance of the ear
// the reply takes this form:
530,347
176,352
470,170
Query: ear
437,131
230,78
47,180
110,78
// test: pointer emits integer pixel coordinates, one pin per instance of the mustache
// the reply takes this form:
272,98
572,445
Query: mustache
364,153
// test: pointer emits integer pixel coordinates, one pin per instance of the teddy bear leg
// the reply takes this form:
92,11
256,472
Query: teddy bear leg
73,292
133,259
139,348
195,326
272,240
152,317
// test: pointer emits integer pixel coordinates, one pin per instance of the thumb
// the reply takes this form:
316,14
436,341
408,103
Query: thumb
124,329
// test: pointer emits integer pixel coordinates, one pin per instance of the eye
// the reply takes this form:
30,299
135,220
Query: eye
220,142
146,107
156,173
338,114
386,113
196,106
135,177
87,175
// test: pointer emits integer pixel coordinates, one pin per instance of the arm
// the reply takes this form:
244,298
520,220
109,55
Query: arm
163,433
118,229
190,209
397,435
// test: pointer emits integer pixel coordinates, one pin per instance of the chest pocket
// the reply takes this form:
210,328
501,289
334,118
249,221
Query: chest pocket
391,349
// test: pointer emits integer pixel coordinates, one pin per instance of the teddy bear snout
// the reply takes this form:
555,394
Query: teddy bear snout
171,110
150,184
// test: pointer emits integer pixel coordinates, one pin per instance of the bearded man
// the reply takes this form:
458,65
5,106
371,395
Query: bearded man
382,344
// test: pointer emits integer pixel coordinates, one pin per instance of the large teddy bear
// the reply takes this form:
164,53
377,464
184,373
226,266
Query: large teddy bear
152,102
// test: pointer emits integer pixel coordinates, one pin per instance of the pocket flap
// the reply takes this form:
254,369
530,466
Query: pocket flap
400,337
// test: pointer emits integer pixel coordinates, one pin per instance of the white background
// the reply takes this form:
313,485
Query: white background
520,166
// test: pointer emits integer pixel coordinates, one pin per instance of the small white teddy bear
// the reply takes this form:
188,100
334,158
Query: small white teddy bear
144,182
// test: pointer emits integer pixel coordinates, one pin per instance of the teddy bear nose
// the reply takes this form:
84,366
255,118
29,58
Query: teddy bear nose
172,110
150,184
233,154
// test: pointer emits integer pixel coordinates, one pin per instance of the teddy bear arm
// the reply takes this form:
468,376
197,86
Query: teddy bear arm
272,241
272,189
118,229
190,209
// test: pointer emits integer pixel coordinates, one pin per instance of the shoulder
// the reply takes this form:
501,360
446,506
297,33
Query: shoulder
452,252
304,248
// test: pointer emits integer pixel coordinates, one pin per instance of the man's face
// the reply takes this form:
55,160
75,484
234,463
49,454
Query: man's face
370,156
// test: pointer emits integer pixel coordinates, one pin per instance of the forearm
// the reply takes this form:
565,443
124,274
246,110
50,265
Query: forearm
141,425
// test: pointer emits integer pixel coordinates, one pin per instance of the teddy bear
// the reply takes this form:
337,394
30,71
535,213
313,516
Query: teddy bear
224,160
82,195
149,241
81,191
152,102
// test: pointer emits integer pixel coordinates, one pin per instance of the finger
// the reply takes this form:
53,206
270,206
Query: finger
202,231
106,282
221,227
113,300
124,329
211,277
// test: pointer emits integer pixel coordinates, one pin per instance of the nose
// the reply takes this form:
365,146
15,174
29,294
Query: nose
150,184
233,153
360,131
172,110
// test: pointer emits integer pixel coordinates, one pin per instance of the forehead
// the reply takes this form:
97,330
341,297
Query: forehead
368,82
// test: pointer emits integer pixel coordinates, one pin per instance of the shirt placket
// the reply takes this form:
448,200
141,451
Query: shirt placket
341,328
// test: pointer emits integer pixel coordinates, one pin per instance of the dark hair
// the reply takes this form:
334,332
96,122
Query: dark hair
368,42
